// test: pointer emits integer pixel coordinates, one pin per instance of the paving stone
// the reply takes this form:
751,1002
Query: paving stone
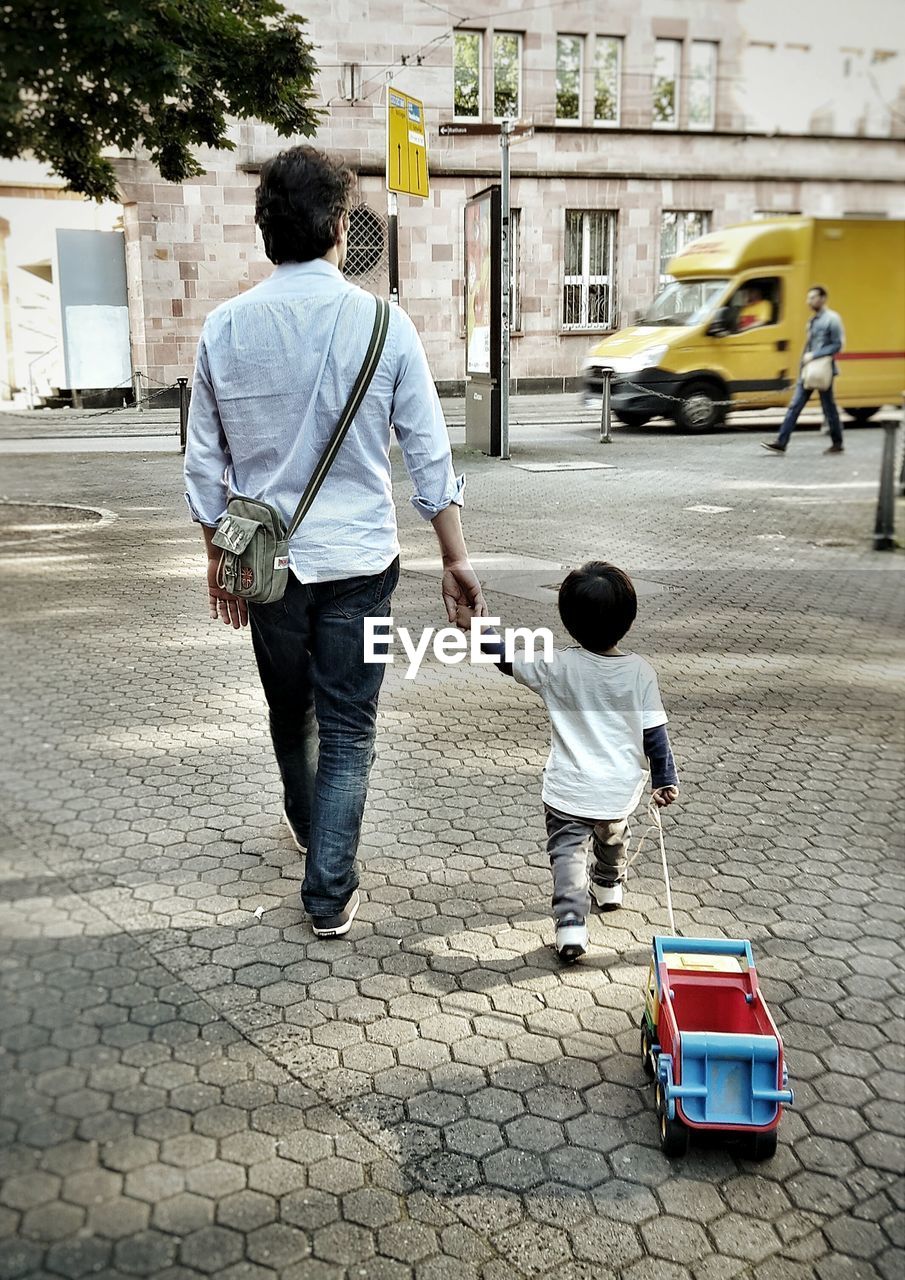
190,1088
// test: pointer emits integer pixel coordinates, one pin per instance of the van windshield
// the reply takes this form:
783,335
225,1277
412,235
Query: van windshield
684,302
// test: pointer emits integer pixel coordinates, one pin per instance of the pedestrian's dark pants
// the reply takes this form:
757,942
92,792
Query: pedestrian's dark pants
798,402
322,697
567,845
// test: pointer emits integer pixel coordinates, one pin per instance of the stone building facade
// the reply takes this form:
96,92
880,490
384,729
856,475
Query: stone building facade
656,118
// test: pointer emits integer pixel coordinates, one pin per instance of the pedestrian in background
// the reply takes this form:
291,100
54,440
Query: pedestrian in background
825,340
275,366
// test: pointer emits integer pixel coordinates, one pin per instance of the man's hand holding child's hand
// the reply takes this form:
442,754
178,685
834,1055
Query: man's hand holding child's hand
663,796
464,615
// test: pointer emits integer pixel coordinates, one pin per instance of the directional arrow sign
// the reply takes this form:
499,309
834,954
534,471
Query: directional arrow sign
406,145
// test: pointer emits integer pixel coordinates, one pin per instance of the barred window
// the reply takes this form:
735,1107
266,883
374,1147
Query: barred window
589,294
366,244
677,228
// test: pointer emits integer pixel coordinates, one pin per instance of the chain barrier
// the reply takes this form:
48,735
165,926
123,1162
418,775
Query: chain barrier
131,408
663,395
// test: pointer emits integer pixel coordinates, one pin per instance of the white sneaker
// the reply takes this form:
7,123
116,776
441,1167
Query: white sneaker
571,939
291,829
607,896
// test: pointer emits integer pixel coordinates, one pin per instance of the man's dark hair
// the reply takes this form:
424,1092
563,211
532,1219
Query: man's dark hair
597,604
818,288
300,199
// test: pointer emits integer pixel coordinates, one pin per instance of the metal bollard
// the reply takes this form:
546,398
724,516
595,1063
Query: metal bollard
902,472
183,411
605,437
884,529
136,390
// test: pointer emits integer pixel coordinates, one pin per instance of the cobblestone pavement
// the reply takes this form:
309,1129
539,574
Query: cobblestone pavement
192,1085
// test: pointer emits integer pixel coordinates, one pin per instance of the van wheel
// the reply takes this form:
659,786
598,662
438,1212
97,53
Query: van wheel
862,416
700,408
629,419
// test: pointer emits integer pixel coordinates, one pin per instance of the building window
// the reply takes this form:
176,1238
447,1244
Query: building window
507,75
667,68
588,284
678,227
467,74
568,77
365,244
702,85
607,77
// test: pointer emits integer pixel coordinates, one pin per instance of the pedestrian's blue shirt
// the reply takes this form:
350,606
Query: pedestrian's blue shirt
274,369
826,336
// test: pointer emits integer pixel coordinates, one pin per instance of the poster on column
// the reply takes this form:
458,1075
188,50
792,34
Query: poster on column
479,283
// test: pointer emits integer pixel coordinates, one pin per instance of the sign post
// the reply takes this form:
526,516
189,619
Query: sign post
406,161
506,127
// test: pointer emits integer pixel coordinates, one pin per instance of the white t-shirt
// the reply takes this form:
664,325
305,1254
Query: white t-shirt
599,708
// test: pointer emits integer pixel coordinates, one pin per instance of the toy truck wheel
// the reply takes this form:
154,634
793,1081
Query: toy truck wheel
762,1146
647,1057
674,1134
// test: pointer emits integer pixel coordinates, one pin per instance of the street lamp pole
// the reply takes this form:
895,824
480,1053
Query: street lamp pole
506,128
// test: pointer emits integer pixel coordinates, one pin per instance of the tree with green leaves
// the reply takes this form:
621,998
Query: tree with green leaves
79,77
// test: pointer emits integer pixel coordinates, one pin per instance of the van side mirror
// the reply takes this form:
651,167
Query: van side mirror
723,322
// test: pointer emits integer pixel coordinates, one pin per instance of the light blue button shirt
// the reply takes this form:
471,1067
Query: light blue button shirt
274,370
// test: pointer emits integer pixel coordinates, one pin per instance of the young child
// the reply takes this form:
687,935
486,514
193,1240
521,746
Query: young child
608,737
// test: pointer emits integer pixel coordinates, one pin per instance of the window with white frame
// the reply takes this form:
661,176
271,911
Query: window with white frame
667,72
588,280
467,74
678,227
702,84
568,77
507,75
607,79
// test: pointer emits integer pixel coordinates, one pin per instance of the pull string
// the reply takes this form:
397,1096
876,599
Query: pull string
656,823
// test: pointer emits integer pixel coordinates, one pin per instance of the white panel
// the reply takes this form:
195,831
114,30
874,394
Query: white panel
97,347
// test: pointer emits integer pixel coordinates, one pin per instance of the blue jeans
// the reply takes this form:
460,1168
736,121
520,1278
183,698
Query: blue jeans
322,698
799,400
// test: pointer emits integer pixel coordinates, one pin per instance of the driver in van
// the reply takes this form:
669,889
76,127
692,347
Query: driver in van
756,309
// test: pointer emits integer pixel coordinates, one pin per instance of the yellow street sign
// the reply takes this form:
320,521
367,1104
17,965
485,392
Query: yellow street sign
406,145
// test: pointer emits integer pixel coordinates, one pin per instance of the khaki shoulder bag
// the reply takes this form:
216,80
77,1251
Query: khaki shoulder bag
252,537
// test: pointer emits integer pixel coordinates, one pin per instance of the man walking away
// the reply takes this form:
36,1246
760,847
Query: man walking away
825,338
275,367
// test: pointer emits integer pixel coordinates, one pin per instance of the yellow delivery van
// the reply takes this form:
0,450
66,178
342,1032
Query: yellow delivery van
729,330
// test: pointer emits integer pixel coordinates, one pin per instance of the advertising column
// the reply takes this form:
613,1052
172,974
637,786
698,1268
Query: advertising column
482,322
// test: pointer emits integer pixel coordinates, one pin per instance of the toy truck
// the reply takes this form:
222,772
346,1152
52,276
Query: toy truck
709,1043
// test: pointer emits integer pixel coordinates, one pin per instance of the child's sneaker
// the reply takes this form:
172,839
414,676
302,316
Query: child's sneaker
607,896
571,939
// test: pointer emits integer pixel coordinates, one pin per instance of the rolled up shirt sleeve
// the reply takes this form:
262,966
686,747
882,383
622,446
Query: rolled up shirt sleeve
421,429
207,460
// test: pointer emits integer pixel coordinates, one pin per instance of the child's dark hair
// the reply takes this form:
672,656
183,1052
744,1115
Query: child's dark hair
597,604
